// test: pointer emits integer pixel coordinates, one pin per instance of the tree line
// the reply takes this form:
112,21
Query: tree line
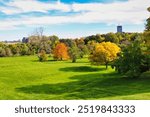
35,43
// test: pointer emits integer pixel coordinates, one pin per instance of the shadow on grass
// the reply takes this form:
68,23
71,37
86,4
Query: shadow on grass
78,61
81,69
45,61
91,86
35,60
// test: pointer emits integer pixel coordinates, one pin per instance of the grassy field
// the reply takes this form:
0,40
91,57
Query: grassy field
26,78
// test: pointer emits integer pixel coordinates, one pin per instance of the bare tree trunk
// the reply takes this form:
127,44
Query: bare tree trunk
106,65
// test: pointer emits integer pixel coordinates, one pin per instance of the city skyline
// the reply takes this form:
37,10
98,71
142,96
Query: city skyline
70,18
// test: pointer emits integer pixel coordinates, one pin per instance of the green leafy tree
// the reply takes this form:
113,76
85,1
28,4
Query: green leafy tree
97,38
112,38
83,50
15,49
91,46
74,53
133,60
54,40
24,49
8,52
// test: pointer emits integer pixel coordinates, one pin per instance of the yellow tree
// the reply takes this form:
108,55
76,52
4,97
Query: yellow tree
104,53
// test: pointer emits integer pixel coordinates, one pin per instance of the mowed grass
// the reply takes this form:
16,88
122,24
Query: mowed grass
26,78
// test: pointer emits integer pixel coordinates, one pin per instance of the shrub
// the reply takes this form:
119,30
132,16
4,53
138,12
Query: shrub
42,56
2,52
8,52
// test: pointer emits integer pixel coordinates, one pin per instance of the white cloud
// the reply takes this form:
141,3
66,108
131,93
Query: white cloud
130,12
25,6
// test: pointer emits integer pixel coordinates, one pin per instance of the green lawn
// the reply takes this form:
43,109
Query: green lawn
26,78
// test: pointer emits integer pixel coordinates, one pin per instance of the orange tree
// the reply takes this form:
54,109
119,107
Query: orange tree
61,52
104,53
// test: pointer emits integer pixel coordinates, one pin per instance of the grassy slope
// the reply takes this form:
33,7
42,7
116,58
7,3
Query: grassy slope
26,78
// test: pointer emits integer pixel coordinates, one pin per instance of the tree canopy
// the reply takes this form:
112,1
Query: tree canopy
147,26
61,52
104,53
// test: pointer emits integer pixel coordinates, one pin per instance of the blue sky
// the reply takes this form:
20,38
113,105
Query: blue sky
70,18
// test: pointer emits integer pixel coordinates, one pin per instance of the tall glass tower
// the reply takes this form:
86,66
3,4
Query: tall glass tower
119,29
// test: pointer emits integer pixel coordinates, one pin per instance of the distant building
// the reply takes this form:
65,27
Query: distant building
25,40
119,29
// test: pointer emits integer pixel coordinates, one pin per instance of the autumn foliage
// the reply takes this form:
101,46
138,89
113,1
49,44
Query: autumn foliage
104,53
61,52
